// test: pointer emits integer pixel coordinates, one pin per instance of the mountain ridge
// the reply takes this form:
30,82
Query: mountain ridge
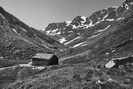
81,31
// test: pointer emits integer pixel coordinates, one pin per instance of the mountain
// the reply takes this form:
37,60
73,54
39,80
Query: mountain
88,33
18,41
77,32
96,52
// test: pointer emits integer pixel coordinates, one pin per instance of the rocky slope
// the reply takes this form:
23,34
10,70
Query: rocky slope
99,54
81,29
82,32
18,41
79,76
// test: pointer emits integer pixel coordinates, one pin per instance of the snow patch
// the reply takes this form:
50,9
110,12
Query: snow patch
24,30
120,58
43,29
121,18
84,44
68,23
78,37
126,6
86,26
96,23
103,29
58,33
109,19
105,17
113,51
15,30
84,18
47,32
107,53
74,27
93,36
99,82
70,31
90,24
53,32
79,44
62,40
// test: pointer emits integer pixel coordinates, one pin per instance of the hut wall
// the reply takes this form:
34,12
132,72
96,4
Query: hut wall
39,62
54,60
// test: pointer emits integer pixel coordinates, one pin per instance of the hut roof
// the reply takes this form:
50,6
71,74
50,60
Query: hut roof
43,56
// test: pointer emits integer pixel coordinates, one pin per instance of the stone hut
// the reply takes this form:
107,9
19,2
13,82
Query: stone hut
41,59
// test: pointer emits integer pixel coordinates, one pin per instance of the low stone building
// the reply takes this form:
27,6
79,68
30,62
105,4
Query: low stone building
41,59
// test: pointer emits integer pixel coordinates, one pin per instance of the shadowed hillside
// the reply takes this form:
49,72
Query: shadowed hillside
18,41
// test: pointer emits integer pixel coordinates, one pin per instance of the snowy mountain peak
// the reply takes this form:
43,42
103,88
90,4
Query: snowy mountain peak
68,23
81,28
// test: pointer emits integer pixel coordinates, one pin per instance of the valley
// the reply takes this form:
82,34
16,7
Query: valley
86,47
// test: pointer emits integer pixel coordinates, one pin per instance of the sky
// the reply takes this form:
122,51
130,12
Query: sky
39,13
